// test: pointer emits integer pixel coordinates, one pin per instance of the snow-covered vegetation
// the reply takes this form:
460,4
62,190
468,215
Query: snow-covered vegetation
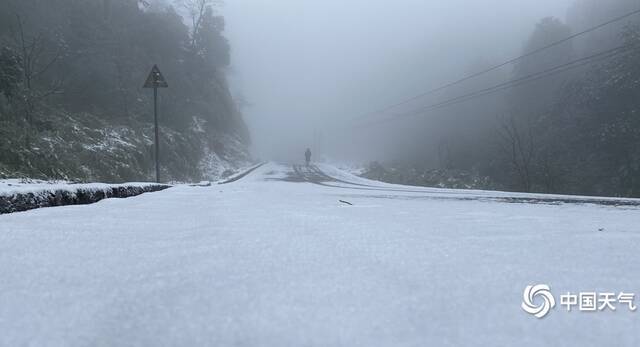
71,102
576,131
25,194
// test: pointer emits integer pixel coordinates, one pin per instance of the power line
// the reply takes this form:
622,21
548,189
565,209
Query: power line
496,67
538,75
513,83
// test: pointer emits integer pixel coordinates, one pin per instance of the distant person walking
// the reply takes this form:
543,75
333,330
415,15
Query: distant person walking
307,156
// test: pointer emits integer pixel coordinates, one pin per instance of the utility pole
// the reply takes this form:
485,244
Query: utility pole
155,81
157,137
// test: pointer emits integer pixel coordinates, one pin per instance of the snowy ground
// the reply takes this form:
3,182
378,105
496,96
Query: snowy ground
275,259
23,195
21,186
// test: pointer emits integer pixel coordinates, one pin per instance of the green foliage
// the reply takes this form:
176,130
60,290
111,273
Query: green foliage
69,64
547,31
10,72
576,132
213,47
418,176
587,138
600,114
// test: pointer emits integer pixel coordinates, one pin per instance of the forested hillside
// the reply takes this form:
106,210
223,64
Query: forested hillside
574,131
71,99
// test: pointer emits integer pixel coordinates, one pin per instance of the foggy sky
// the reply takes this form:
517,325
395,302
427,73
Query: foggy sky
300,62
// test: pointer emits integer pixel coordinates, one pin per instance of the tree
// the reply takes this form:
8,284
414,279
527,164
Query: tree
10,72
197,10
597,125
535,99
36,57
210,43
103,50
518,147
588,13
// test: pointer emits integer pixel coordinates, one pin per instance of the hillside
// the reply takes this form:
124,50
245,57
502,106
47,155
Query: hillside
71,99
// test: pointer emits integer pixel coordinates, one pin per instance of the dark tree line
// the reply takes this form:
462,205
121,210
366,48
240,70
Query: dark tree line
74,65
576,132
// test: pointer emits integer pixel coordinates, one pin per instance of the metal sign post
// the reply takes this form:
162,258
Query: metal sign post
155,81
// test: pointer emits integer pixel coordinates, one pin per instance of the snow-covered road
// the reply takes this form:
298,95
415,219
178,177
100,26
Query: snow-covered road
275,259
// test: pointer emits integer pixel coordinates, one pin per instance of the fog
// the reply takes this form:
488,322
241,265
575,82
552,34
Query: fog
302,62
258,80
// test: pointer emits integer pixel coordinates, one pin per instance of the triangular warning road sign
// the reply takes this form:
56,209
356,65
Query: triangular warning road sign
155,79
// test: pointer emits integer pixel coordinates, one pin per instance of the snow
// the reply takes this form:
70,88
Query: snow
218,166
272,261
22,186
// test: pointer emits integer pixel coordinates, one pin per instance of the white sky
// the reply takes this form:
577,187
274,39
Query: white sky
300,61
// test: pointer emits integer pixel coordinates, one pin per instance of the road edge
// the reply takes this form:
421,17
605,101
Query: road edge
243,174
22,202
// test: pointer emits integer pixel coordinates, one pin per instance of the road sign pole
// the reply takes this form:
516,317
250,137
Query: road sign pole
155,81
155,116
